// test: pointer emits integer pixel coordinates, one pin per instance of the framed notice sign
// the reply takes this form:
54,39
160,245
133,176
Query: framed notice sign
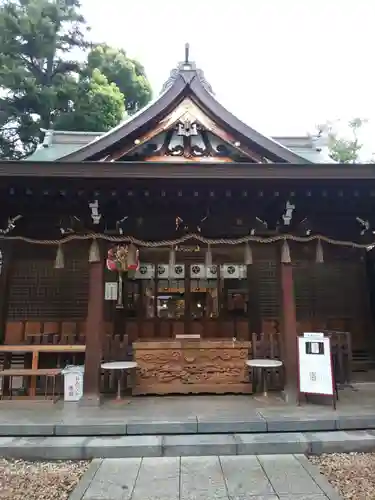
110,291
315,371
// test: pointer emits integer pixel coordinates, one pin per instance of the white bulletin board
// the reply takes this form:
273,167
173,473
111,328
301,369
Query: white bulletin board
315,364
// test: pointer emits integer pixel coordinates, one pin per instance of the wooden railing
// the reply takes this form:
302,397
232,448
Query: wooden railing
268,345
342,356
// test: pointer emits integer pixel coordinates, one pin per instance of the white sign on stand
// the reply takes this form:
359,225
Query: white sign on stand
110,291
315,365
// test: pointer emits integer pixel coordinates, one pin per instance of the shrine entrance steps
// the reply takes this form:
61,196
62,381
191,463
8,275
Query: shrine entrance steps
188,426
89,447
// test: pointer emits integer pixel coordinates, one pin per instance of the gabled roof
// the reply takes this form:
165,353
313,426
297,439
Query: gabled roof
59,143
185,82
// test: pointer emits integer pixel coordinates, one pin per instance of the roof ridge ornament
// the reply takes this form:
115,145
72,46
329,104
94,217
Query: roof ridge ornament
187,53
185,66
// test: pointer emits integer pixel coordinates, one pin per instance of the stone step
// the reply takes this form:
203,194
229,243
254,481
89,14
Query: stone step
248,424
80,448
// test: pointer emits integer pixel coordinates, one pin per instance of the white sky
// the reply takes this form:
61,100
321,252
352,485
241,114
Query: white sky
282,66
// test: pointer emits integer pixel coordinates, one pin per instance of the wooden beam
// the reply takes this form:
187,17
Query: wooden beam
153,170
94,334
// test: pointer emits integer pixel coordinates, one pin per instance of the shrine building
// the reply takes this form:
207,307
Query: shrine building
183,224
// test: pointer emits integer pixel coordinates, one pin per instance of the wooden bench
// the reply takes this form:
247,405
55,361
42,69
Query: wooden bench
48,373
36,350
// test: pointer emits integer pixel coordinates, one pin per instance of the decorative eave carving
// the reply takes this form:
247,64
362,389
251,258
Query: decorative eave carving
188,134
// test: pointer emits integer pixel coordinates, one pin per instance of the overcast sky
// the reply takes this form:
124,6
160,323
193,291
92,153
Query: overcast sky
282,66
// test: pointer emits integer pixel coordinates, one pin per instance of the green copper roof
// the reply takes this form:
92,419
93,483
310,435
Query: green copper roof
52,153
59,143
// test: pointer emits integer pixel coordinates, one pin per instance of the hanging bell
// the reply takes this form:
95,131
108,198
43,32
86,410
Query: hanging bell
59,261
94,252
248,258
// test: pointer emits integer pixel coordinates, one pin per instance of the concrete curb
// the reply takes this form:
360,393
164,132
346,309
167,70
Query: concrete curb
320,480
86,479
86,448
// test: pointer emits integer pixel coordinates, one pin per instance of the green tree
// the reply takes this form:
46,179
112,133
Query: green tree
97,106
41,87
36,76
128,74
344,149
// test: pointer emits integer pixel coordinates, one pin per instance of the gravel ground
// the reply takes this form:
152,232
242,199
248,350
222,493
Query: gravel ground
21,480
352,474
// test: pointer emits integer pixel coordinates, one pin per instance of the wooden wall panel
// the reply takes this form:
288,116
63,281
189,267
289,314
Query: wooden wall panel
304,289
14,332
333,294
267,278
37,291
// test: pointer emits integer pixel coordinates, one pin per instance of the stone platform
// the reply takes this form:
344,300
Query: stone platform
192,425
188,415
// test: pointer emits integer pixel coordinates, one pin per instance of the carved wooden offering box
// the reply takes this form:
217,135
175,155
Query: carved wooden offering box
216,366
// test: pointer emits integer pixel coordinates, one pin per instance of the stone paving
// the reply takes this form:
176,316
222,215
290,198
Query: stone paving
187,415
263,477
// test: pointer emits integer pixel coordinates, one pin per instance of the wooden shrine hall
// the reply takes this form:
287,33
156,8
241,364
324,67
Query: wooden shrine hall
187,241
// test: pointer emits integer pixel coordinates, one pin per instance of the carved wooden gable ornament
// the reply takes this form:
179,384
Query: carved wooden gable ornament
186,134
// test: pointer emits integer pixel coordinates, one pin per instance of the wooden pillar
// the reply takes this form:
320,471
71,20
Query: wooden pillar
188,299
253,303
7,249
221,298
156,320
289,331
140,311
94,333
125,302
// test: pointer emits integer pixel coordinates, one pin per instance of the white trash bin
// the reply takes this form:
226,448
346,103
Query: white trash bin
73,382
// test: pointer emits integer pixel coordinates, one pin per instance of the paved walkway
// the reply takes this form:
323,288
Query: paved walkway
265,477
